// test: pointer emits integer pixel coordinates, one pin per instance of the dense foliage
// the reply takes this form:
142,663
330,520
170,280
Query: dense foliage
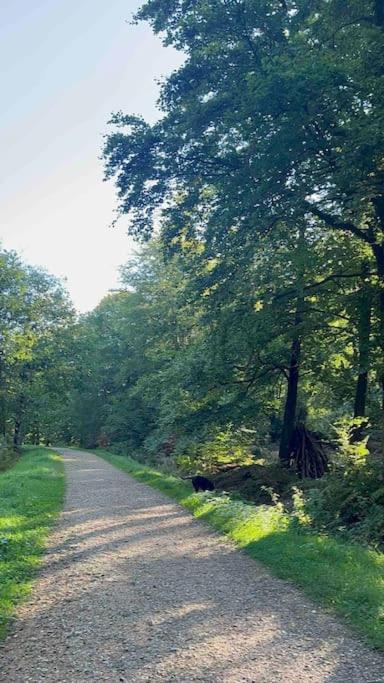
269,157
35,356
254,313
162,366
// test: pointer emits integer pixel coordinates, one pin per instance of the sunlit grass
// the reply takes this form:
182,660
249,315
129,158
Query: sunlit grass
31,494
343,577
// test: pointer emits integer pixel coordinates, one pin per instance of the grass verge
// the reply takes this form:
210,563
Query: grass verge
31,494
346,578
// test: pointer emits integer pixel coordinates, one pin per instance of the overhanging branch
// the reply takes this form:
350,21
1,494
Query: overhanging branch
338,224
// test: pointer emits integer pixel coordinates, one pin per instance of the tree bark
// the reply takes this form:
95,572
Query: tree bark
361,394
379,12
290,408
364,331
17,431
291,398
378,250
3,408
17,434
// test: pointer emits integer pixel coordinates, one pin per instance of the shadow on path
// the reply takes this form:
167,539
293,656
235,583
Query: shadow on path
134,589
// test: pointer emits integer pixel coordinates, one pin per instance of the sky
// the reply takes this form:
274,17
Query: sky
65,66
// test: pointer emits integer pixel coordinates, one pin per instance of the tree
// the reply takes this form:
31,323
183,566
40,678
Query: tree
275,115
35,320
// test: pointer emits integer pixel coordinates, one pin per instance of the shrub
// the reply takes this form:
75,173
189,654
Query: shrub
219,449
350,499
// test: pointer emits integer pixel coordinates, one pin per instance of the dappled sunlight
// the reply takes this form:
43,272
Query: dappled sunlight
11,522
244,651
107,548
164,598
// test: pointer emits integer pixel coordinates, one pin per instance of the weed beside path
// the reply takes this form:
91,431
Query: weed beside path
31,495
344,577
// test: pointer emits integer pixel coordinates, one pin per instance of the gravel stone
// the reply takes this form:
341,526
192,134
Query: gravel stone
133,589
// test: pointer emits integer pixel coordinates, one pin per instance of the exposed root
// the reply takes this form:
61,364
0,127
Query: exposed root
306,452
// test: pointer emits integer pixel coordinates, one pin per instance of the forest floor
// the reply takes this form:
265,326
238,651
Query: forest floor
133,588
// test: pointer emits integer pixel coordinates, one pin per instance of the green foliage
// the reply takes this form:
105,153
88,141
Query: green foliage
220,449
31,494
169,363
265,172
283,101
349,501
35,358
259,483
350,453
261,297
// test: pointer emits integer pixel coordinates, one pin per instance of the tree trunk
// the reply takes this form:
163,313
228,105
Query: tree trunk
290,408
291,399
3,406
17,435
17,432
378,250
379,13
364,331
361,394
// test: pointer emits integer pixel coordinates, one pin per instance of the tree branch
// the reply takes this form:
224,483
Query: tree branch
314,285
338,224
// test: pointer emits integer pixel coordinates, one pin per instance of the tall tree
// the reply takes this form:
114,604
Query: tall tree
35,318
276,114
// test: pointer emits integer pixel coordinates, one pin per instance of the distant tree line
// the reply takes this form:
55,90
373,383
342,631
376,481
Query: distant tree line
35,354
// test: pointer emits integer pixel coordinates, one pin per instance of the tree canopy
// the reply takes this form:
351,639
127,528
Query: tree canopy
265,174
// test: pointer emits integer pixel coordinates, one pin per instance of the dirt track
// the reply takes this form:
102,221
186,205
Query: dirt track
133,589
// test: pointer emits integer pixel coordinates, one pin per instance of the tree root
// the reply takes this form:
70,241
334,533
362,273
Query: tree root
307,454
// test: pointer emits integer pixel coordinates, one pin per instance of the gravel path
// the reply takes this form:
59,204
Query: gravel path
133,589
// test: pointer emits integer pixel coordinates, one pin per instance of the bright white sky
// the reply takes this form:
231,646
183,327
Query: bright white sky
65,66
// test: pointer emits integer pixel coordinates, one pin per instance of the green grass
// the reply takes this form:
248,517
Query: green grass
346,578
31,494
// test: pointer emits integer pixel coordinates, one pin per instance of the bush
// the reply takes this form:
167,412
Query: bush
348,501
120,448
219,449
